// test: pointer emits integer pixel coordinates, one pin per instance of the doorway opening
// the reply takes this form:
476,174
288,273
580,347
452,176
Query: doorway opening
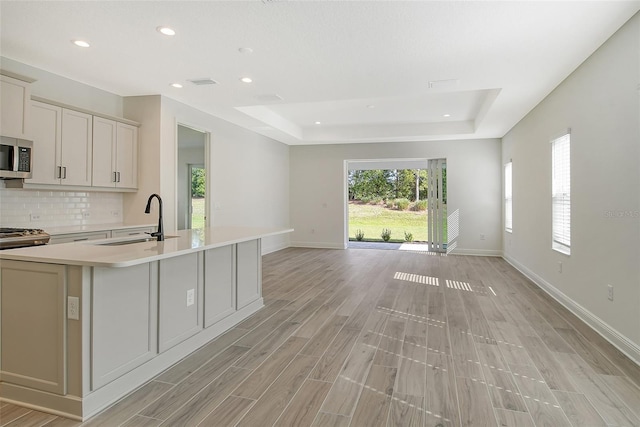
197,186
396,204
193,189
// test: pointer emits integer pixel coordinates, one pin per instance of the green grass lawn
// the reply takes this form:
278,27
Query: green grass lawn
371,219
197,217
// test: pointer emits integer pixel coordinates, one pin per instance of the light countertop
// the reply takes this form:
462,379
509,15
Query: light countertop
92,253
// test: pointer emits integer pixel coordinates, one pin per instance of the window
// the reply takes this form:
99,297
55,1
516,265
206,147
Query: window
508,198
561,193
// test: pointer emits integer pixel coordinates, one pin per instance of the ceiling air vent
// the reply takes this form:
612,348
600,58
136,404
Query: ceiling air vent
203,82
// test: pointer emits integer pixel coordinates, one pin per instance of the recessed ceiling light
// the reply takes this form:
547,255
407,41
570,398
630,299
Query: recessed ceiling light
81,43
176,85
245,50
166,31
446,115
318,123
246,80
371,106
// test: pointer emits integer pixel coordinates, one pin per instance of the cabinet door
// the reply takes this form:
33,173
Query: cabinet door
47,133
126,156
32,315
15,97
123,320
219,284
76,147
104,148
249,272
180,302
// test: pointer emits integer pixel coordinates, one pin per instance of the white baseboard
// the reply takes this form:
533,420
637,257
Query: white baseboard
621,342
476,252
317,245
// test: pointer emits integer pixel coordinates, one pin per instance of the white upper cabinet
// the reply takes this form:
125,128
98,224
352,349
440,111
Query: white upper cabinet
46,129
15,98
61,145
115,154
77,149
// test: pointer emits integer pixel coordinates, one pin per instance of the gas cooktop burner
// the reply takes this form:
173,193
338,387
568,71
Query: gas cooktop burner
21,237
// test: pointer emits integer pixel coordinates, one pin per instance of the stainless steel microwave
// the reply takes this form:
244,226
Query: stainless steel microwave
16,156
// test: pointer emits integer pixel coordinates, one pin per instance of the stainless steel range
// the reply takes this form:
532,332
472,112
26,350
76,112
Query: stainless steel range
21,237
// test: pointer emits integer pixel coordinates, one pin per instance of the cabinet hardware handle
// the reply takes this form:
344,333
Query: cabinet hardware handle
59,172
64,172
118,176
115,177
80,240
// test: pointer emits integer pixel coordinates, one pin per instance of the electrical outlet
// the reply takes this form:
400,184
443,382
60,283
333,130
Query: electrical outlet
559,266
86,214
35,216
73,308
191,297
610,292
115,213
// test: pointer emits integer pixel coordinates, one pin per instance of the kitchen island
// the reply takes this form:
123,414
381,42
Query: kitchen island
83,324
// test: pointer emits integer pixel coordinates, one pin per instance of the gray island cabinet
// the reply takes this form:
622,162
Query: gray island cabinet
83,324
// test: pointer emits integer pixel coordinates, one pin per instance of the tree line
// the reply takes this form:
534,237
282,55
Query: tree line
408,184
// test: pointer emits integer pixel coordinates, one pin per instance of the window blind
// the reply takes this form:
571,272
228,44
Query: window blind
508,197
561,193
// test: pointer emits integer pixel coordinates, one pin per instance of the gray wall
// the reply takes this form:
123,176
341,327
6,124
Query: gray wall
473,186
600,102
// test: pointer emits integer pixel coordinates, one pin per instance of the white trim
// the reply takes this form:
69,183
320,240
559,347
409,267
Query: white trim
318,245
622,343
476,252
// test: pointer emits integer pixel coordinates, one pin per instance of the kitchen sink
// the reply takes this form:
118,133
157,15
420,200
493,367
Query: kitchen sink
132,241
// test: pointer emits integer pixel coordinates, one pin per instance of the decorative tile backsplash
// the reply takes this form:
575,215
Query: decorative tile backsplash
42,209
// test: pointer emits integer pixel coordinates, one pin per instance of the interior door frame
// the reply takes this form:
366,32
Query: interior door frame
207,167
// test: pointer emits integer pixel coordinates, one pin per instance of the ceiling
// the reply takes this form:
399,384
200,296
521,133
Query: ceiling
365,71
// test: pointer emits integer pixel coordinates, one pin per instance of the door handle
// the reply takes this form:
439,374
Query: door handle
118,176
64,172
115,177
58,172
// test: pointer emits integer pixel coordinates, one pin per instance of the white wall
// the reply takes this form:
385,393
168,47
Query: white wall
600,102
57,88
473,187
249,173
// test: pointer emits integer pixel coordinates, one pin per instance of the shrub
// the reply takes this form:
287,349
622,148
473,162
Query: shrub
402,204
389,204
359,235
365,199
408,236
386,234
376,200
421,205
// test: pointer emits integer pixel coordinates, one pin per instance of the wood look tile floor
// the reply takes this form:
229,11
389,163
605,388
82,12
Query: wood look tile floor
388,338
